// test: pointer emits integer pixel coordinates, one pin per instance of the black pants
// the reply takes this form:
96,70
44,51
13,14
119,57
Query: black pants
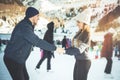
108,66
81,69
48,56
16,70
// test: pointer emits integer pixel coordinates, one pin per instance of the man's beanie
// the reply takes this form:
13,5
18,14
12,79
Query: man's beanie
31,11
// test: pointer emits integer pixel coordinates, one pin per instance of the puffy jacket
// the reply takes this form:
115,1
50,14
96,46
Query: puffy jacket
22,40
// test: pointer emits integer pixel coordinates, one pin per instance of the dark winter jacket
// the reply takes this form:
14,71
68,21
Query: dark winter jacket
49,37
49,33
22,40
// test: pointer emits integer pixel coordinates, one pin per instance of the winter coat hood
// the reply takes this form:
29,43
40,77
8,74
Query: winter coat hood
50,26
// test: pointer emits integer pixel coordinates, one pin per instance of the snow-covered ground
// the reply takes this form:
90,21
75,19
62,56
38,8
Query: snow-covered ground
62,68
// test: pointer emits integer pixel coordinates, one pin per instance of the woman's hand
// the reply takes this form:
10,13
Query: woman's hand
60,50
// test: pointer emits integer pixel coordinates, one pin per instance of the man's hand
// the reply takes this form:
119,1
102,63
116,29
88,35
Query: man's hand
60,50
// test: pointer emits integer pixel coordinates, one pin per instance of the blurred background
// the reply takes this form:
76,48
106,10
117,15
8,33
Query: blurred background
105,14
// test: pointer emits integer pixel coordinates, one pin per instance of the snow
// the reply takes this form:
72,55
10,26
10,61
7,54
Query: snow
42,23
57,8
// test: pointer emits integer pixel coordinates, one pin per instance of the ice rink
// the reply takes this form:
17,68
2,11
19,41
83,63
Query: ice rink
62,68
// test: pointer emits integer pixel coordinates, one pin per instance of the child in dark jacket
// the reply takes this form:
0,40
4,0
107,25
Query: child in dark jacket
47,54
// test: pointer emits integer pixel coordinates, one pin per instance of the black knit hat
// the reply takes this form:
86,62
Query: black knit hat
31,11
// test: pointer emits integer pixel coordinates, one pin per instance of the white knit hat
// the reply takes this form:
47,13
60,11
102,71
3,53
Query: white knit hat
84,16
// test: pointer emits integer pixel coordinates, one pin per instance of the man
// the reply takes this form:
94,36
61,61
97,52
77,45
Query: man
20,45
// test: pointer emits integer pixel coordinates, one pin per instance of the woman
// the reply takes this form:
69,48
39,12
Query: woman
47,54
80,46
107,52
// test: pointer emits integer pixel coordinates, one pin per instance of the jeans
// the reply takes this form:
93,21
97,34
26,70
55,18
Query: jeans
16,70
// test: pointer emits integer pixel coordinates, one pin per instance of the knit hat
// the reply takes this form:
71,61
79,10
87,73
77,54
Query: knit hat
31,11
84,16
